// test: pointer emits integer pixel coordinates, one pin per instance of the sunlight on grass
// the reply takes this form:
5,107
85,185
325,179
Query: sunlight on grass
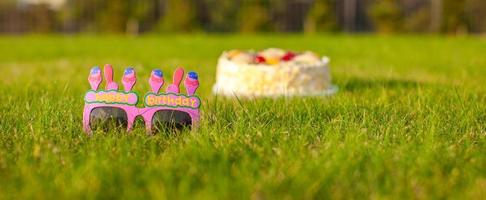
409,121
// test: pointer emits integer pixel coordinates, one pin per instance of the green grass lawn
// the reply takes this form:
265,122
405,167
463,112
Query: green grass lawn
409,121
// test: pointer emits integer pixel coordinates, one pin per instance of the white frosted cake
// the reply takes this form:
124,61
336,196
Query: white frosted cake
272,72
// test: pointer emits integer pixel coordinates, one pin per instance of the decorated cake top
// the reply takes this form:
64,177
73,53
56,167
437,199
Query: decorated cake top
272,57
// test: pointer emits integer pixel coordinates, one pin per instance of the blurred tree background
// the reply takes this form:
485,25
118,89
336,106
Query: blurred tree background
310,16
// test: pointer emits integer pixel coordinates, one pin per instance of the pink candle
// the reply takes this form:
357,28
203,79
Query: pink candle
156,80
191,83
94,78
129,79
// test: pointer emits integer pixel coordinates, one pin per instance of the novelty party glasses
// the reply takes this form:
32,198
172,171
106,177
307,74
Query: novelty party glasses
171,109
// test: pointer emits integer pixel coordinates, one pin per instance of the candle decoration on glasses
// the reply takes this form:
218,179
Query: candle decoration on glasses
161,111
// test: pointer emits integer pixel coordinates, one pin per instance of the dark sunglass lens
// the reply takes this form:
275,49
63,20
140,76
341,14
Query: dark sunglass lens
107,118
168,120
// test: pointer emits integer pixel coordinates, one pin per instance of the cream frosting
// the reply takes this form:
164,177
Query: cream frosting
304,75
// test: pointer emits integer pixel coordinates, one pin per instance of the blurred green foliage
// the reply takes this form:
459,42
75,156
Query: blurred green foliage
253,17
179,16
476,13
417,21
321,17
219,15
454,19
386,15
138,16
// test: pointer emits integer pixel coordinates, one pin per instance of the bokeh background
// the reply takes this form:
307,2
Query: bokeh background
155,16
408,121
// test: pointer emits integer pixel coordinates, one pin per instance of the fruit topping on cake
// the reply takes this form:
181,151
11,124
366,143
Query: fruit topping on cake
271,56
272,72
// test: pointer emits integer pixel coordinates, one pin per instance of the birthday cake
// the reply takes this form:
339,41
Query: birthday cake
272,72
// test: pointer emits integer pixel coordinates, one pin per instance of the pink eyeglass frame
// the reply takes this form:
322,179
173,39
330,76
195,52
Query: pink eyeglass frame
129,107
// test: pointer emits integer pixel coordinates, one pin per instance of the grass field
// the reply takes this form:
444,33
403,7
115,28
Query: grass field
409,121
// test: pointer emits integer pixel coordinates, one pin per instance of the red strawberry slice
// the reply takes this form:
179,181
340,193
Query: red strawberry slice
288,56
260,59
